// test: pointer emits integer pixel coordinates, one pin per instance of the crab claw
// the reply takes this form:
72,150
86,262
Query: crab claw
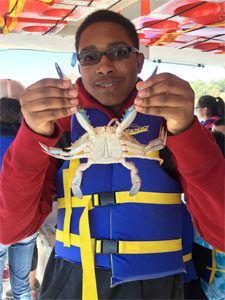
135,188
76,186
128,118
82,118
44,147
77,191
51,150
55,152
136,181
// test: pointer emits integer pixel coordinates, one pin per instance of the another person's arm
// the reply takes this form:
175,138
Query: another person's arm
27,185
28,175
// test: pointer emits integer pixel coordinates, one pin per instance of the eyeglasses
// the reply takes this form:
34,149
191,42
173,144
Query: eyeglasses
88,58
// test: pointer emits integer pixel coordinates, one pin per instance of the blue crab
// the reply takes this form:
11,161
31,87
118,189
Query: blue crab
107,145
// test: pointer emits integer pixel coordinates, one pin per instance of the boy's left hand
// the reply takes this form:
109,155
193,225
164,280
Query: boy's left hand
168,96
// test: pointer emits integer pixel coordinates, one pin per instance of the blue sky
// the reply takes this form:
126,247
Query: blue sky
30,66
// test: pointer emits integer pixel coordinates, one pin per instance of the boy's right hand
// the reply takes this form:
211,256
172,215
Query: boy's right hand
46,101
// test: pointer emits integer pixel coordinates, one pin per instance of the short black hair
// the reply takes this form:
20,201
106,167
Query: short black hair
10,110
108,16
219,122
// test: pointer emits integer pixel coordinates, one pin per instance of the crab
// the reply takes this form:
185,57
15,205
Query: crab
107,145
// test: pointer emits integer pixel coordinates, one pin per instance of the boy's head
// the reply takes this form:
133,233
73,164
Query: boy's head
10,92
112,17
108,55
11,89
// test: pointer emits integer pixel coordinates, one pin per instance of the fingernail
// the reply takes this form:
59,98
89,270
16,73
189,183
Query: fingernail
66,83
140,87
73,109
74,101
138,101
141,93
73,93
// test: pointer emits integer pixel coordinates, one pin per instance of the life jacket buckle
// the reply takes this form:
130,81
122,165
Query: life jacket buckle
107,246
107,198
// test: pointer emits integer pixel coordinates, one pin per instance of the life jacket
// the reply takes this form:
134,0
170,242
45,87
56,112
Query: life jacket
216,263
7,135
137,237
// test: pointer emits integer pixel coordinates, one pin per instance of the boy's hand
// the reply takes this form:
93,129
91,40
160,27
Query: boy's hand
168,96
46,101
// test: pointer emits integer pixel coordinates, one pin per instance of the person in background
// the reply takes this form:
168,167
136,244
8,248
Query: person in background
219,126
209,109
137,254
19,254
212,276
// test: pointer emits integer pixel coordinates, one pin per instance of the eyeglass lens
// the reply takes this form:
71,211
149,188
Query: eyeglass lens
114,53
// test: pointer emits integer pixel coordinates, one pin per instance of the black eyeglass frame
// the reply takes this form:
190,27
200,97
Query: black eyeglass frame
106,52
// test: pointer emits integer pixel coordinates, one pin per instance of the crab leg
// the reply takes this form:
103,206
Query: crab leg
142,156
156,144
135,179
78,178
134,144
127,149
66,155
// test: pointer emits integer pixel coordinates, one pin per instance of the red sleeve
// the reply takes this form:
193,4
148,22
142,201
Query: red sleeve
27,183
201,164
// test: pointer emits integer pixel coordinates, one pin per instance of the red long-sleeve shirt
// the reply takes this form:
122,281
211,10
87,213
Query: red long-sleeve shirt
27,182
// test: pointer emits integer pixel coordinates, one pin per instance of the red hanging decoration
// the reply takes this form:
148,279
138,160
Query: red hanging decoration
145,7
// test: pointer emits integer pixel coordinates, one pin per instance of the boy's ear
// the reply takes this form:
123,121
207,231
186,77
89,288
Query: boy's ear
79,68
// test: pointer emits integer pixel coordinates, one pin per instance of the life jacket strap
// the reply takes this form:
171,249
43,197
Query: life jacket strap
126,247
110,198
214,268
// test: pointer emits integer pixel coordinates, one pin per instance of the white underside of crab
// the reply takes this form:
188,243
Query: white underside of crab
107,145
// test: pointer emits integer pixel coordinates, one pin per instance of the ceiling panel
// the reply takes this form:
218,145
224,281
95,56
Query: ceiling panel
168,30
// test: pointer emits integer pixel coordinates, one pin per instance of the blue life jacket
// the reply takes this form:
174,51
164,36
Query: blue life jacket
137,237
213,277
7,135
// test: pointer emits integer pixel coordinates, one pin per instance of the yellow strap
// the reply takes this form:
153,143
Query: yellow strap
2,21
213,269
129,247
148,198
89,286
68,208
219,251
187,257
149,247
124,197
67,180
216,270
15,8
212,275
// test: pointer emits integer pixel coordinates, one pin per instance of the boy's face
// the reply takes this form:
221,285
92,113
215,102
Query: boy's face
110,82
